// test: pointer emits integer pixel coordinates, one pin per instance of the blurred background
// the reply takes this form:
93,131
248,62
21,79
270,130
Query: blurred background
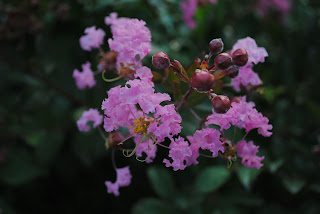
48,166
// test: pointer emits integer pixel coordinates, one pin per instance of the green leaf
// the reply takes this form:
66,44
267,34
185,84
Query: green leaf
293,185
247,176
211,179
151,206
19,169
162,182
195,65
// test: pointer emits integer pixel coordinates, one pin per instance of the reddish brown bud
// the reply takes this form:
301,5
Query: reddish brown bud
233,71
223,61
114,139
221,104
216,46
235,100
202,80
240,57
160,60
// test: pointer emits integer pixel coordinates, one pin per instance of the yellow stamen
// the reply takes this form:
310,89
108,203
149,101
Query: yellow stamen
140,126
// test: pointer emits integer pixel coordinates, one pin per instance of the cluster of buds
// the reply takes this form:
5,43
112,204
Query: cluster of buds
203,78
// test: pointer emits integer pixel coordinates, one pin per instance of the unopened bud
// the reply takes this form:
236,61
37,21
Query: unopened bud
221,104
235,100
114,139
202,80
233,71
216,46
223,61
240,57
161,60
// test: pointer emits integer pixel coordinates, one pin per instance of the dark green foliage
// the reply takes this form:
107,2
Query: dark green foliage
48,166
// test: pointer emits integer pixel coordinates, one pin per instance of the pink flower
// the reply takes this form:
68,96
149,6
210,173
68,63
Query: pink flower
179,152
121,111
92,39
242,115
283,6
123,180
131,38
84,78
246,77
256,54
189,8
146,147
248,153
91,115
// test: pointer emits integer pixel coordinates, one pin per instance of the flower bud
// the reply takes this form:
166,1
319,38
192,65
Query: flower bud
240,57
202,80
216,46
160,60
223,61
233,71
235,100
221,104
114,139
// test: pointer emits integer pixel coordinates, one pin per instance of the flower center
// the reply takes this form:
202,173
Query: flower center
141,126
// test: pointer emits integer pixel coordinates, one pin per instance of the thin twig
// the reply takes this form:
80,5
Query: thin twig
184,99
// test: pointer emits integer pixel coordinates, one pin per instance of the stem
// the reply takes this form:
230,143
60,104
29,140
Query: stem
211,67
185,97
245,135
113,159
206,156
102,134
194,113
179,72
109,80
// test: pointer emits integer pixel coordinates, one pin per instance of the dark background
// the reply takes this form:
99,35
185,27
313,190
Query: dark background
48,166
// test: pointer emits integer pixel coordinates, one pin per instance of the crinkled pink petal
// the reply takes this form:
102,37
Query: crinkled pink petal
248,153
92,39
123,180
179,153
146,147
85,78
91,115
246,77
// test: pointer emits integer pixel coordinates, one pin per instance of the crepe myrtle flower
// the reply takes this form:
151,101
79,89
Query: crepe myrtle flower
123,180
248,153
153,120
92,115
93,38
85,78
241,115
131,39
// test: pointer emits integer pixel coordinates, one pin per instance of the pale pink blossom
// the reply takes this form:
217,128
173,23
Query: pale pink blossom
248,153
92,39
84,78
123,180
147,147
246,77
131,39
92,115
242,115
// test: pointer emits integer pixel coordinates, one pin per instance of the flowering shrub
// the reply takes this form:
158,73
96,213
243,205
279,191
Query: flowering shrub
151,117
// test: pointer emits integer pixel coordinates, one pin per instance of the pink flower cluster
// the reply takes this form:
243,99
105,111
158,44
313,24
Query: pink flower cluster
242,115
123,180
92,115
183,154
84,78
92,39
256,54
189,8
131,39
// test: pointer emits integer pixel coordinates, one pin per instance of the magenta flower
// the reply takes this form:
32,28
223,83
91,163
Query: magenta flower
180,153
248,153
245,77
189,8
84,78
121,111
123,180
283,6
147,147
92,39
242,115
131,39
91,115
256,54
